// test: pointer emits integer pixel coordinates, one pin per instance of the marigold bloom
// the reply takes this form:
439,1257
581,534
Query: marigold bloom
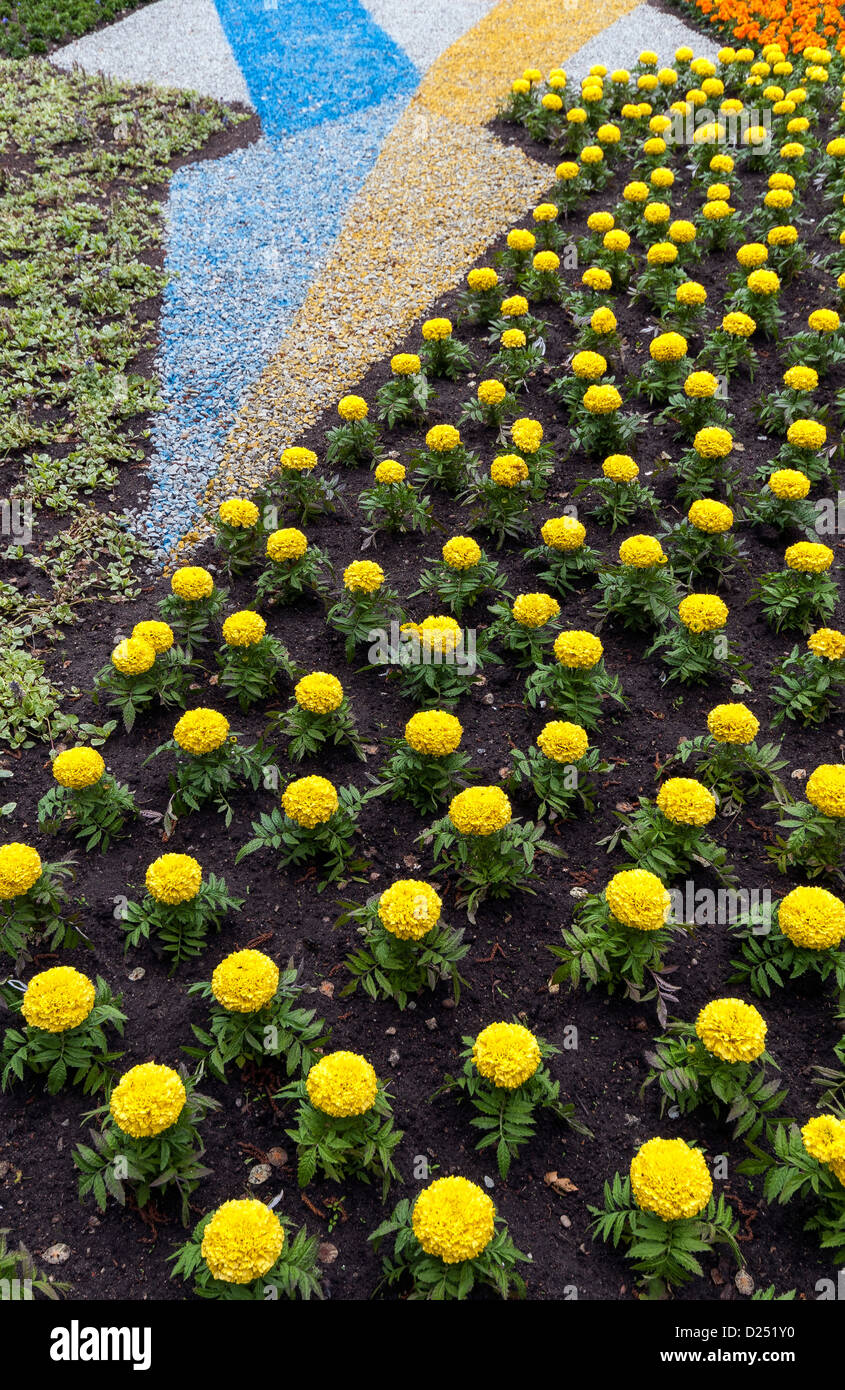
691,294
286,544
534,610
363,577
158,635
298,460
527,435
434,733
620,468
521,240
319,693
733,723
310,801
442,439
133,656
824,1138
454,1220
409,908
809,557
603,321
739,325
823,320
800,378
546,261
238,512
506,1054
352,408
201,731
174,878
812,918
461,553
389,471
578,650
670,1179
706,514
147,1100
686,801
20,869
638,899
601,400
508,469
57,1000
713,442
589,366
827,642
513,338
668,347
244,629
78,768
342,1084
192,583
732,1030
245,981
563,742
515,306
642,552
482,279
662,253
703,612
491,392
437,634
752,255
436,330
789,484
405,364
480,811
242,1241
826,789
563,533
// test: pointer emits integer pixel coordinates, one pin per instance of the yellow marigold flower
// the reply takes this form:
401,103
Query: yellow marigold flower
158,635
601,400
491,392
800,378
620,77
752,255
782,236
201,730
620,468
434,733
824,1138
733,724
739,325
596,279
534,610
806,434
682,232
686,801
717,211
506,1054
642,552
546,261
662,253
298,460
461,553
691,294
711,516
287,544
660,178
721,163
406,363
656,213
701,386
174,878
600,221
578,650
563,533
20,869
482,279
823,320
591,154
480,811
527,435
603,320
244,629
808,557
514,306
566,171
589,366
683,55
133,656
781,180
812,918
703,612
563,742
192,583
668,347
616,241
670,1179
409,908
713,442
242,1241
58,999
78,768
436,330
508,469
521,240
710,133
513,338
363,577
635,192
826,789
436,633
310,801
827,642
319,693
238,512
342,1084
389,471
532,75
638,899
608,134
454,1220
789,484
245,981
551,101
545,212
351,408
442,439
521,87
147,1100
732,1030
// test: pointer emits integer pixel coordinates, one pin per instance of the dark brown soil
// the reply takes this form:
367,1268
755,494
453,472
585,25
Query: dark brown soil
120,1256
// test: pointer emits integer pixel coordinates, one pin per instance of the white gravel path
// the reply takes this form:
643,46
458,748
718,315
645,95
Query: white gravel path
425,28
620,44
173,43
